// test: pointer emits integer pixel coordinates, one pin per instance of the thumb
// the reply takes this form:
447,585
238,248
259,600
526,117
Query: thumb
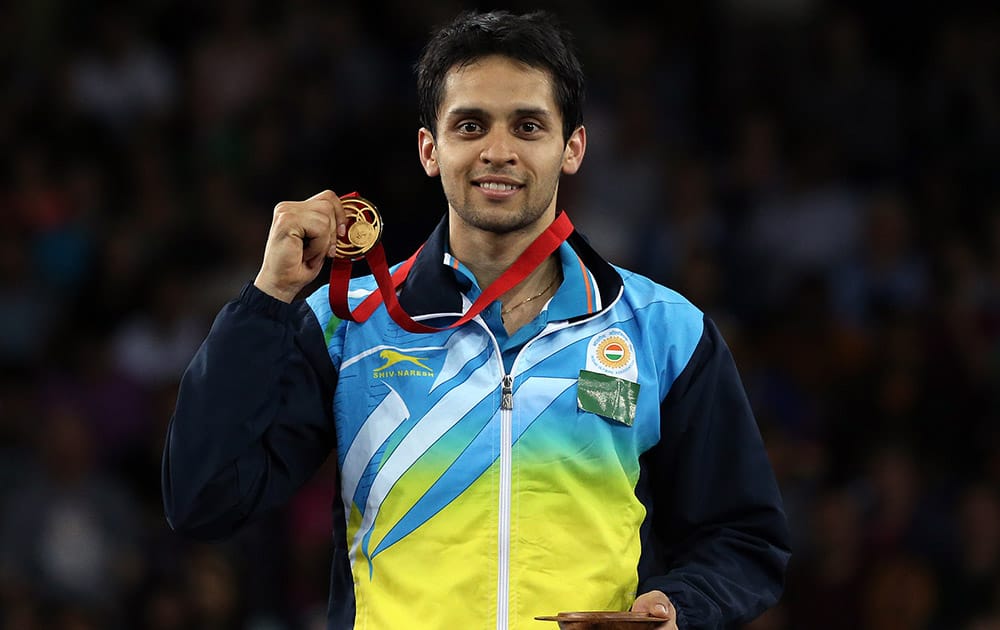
655,603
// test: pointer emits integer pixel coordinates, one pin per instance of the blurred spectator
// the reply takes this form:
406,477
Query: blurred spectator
623,201
900,594
213,590
112,403
810,227
970,584
50,215
232,68
70,534
889,274
689,234
775,618
825,585
882,397
165,608
155,345
122,79
904,518
26,311
17,414
849,95
227,211
960,95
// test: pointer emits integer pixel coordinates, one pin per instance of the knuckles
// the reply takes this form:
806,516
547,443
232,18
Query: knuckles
326,201
325,207
297,220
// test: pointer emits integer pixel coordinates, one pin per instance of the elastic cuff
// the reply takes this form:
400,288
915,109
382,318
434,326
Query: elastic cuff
259,302
681,621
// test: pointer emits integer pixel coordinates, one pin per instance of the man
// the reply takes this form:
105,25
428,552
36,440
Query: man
583,443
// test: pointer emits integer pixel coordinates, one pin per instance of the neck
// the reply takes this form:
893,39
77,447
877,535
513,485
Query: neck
524,302
545,276
488,259
487,266
487,254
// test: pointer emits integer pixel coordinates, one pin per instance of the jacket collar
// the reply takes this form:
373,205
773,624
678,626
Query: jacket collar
431,286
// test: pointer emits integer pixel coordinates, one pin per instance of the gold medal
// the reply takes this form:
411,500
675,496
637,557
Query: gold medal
364,228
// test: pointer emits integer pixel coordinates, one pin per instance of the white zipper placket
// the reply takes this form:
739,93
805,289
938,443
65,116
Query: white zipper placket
503,518
506,461
506,478
503,530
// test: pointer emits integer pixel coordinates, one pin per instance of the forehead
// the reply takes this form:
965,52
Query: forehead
497,83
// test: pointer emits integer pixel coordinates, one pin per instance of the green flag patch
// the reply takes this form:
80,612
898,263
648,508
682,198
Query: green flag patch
607,396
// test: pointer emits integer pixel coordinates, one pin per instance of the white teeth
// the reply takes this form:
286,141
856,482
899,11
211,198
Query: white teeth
496,186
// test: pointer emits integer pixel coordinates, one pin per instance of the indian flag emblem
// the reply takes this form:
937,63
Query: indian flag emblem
613,352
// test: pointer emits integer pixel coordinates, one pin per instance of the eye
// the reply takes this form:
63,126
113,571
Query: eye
529,128
469,127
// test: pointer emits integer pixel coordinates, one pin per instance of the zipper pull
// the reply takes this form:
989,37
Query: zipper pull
507,392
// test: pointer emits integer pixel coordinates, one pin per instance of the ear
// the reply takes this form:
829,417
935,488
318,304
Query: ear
428,152
576,146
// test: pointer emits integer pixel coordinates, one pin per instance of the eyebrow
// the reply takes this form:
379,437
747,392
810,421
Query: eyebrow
478,112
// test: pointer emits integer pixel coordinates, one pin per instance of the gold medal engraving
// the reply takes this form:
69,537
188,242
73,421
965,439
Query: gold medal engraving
362,235
364,228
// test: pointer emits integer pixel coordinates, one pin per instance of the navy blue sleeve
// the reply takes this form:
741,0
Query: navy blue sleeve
716,539
253,419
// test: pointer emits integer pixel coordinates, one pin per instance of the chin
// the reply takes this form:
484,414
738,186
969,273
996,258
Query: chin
498,222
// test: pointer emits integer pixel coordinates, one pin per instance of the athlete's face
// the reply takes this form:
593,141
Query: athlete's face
499,148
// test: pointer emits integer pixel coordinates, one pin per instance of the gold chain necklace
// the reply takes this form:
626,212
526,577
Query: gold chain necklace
533,297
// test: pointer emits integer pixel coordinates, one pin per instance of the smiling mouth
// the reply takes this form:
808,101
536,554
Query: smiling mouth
497,186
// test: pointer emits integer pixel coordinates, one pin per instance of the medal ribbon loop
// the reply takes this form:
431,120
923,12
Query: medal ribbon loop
340,276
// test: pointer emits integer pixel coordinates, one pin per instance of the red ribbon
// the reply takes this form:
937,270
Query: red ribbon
340,277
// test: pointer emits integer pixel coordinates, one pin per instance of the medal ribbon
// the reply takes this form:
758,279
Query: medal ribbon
340,277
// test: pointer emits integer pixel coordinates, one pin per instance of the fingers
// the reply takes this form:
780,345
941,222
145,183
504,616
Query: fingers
317,220
339,214
326,194
657,604
303,234
654,602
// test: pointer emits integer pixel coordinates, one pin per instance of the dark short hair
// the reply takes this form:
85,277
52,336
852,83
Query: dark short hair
535,39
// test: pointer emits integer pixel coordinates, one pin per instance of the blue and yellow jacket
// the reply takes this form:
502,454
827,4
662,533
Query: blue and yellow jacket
604,450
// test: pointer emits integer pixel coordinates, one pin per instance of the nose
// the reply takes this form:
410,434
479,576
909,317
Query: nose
498,148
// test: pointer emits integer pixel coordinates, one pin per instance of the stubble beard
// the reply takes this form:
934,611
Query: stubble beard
500,219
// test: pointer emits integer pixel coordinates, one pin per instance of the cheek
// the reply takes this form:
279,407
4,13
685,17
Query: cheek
552,168
445,171
450,178
450,166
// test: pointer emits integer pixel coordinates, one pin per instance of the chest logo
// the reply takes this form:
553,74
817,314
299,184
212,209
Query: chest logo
400,364
611,352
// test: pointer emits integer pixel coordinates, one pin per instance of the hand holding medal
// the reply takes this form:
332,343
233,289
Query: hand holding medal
301,237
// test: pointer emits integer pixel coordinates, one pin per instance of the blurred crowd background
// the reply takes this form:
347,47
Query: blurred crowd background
822,178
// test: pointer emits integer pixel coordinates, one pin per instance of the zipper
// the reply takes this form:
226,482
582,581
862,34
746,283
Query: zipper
507,391
506,466
503,533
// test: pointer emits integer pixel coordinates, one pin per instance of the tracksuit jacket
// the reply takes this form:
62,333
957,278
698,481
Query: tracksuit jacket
604,450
